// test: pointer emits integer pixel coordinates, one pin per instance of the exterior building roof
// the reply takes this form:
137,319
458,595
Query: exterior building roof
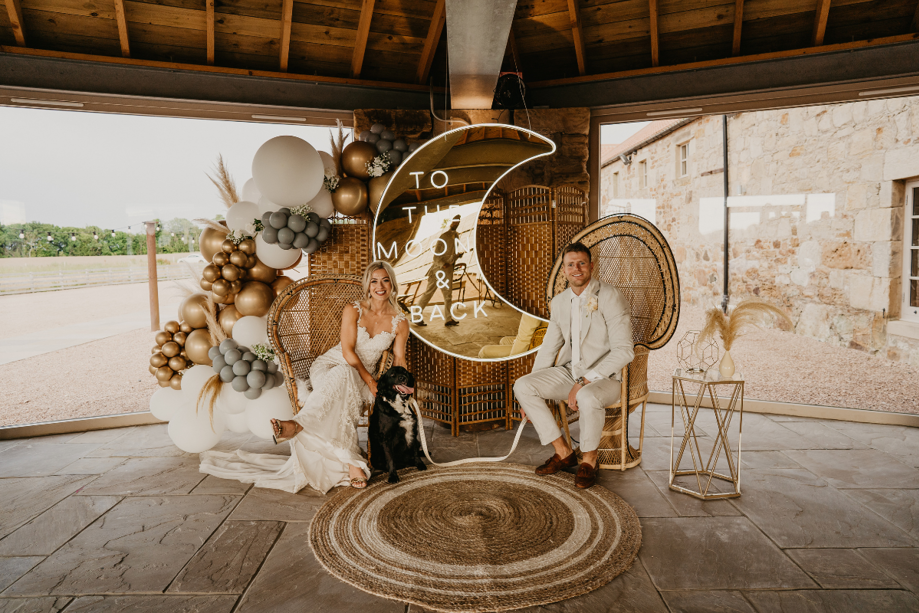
645,136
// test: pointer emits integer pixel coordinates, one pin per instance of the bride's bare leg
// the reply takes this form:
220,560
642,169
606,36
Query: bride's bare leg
285,429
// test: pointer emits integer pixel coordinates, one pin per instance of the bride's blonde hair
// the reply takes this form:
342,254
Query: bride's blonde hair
368,275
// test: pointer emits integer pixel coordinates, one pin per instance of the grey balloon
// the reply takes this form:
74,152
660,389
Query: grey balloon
227,345
272,367
278,220
249,357
323,234
213,352
388,135
279,379
284,210
256,378
364,135
312,217
373,138
219,363
383,145
270,235
260,365
395,157
252,393
266,217
226,374
311,247
286,235
240,384
399,145
269,383
286,246
413,146
241,368
301,240
377,128
244,350
312,229
296,223
232,356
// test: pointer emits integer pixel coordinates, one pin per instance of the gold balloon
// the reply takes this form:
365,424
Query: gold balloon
162,337
210,241
184,327
176,382
164,373
206,285
157,360
260,272
355,157
163,383
196,346
228,318
171,327
228,299
247,246
177,363
193,309
251,261
210,273
171,349
351,196
228,246
179,338
375,189
280,284
155,349
254,299
229,272
235,286
183,354
152,369
238,258
221,287
221,259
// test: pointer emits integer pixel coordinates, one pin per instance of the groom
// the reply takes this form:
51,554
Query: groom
592,327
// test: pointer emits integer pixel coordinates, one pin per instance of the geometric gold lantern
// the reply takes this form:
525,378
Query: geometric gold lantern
694,356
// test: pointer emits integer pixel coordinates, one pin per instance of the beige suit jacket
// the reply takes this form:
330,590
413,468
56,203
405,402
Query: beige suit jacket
606,333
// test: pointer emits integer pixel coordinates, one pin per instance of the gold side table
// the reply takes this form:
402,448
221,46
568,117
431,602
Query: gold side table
702,385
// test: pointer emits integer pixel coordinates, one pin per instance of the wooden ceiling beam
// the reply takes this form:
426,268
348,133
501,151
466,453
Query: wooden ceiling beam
122,29
738,26
287,20
435,31
15,12
914,27
211,18
655,47
512,47
363,32
823,12
577,34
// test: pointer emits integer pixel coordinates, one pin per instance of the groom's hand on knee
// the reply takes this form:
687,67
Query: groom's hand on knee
573,397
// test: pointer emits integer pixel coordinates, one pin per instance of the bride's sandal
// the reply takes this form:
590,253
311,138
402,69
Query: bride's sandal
358,483
276,433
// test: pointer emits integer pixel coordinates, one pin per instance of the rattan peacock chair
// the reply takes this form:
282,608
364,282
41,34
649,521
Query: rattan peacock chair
632,255
305,321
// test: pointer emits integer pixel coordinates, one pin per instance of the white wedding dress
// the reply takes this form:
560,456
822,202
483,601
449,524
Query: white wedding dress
321,452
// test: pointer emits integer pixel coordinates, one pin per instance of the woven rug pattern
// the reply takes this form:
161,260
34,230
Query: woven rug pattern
478,537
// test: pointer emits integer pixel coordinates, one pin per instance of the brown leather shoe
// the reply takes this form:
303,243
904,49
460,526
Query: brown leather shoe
586,477
555,464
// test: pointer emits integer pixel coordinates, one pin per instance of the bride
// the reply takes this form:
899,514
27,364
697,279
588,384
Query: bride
324,450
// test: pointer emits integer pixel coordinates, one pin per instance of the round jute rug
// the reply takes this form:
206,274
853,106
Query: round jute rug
478,537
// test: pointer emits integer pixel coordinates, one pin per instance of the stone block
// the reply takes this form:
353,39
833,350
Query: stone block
555,121
861,142
875,225
405,123
869,293
887,259
856,197
844,255
815,321
872,168
901,164
893,193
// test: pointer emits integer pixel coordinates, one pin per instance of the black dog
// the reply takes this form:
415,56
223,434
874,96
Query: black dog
393,432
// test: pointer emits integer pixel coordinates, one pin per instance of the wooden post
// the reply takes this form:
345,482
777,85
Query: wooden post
151,276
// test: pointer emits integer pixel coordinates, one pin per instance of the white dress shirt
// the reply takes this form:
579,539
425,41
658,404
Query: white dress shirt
578,317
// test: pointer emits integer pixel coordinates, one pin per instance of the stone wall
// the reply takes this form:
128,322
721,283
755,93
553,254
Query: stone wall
816,212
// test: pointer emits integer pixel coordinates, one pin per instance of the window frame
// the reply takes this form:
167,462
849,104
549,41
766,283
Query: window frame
643,173
615,185
682,161
909,312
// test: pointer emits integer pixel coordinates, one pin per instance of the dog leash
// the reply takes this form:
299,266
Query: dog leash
424,444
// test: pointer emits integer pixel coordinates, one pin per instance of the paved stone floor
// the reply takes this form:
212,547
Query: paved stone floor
121,520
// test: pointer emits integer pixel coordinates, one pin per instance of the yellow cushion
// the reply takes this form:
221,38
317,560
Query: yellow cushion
495,351
525,330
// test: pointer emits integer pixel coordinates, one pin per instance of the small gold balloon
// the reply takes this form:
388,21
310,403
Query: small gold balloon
221,259
210,273
375,190
152,369
197,345
350,198
229,272
227,318
184,327
247,246
171,327
260,272
280,284
171,349
163,383
177,363
179,338
176,382
206,285
228,299
354,159
254,299
238,258
228,246
183,354
235,286
193,309
221,287
155,349
164,373
251,261
158,360
210,241
162,337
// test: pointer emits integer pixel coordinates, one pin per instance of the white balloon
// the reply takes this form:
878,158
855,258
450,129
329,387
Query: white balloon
165,402
242,214
287,170
322,203
236,422
267,206
250,191
328,163
254,331
193,380
191,430
273,404
274,256
230,401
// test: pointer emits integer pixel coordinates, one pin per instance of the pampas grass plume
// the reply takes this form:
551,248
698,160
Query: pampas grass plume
750,313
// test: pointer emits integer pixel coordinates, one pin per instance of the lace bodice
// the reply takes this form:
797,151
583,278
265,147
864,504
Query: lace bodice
370,348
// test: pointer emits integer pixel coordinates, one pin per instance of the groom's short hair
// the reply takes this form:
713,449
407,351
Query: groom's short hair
577,247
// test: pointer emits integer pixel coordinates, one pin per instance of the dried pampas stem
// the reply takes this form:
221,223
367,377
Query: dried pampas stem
218,334
338,145
213,225
750,313
209,394
224,183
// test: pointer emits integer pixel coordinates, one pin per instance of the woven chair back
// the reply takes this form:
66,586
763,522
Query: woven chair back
632,255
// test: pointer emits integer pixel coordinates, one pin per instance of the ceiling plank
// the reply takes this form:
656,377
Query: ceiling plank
15,12
823,12
122,29
209,4
363,31
287,19
577,33
655,46
915,25
738,26
435,30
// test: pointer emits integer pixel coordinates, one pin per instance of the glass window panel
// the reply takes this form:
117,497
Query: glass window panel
914,267
915,237
914,293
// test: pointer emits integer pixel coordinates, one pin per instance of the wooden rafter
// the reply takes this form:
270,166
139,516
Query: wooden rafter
363,32
655,48
122,28
287,19
823,11
577,34
914,26
211,18
512,48
435,30
738,26
15,12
